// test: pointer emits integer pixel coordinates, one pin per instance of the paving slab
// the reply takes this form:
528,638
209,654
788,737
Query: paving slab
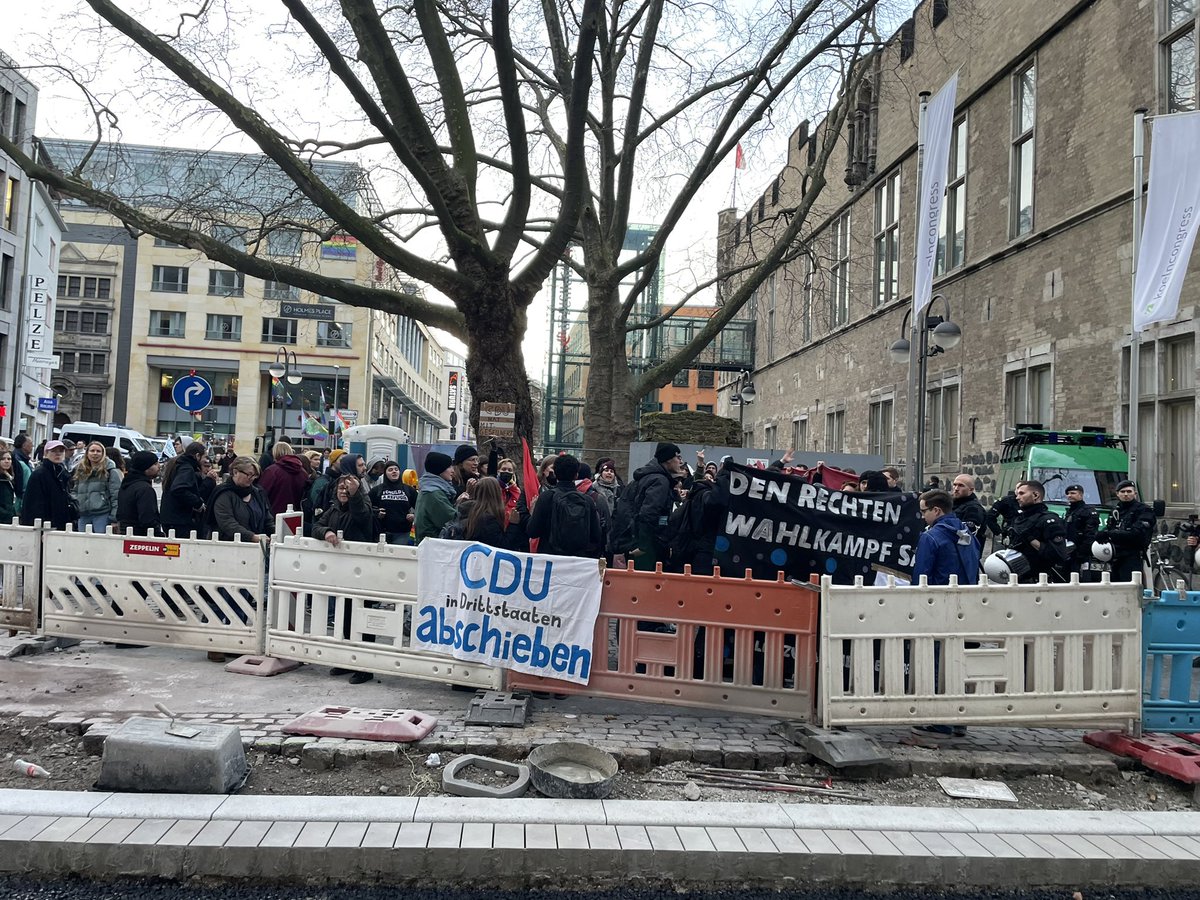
25,802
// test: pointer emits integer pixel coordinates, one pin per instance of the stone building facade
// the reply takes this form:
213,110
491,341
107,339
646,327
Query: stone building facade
1035,269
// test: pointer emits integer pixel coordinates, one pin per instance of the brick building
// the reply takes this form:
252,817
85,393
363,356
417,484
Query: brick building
1036,270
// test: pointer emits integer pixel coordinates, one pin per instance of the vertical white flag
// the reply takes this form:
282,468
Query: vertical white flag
1171,214
939,125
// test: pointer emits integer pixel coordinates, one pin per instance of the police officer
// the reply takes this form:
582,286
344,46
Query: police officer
1082,523
1039,534
1129,529
1000,518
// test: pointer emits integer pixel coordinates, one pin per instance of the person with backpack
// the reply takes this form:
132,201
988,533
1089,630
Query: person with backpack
690,537
564,519
585,483
651,498
435,497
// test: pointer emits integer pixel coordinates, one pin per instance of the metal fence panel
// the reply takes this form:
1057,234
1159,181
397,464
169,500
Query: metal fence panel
1171,648
351,606
20,565
185,592
980,654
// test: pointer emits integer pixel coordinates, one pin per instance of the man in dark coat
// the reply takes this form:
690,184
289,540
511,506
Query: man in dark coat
182,501
1083,522
137,503
654,500
47,495
1039,534
967,507
1130,528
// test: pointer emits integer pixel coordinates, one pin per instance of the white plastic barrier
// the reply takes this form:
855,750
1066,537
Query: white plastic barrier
20,564
180,592
351,606
1010,654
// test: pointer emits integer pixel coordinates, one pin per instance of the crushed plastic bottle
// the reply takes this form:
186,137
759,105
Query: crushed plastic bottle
433,760
31,770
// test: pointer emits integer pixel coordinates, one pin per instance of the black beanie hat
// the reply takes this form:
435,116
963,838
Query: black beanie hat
1124,484
665,451
142,460
437,463
464,452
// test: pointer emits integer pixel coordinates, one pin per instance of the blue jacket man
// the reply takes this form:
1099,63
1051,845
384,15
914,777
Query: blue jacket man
946,547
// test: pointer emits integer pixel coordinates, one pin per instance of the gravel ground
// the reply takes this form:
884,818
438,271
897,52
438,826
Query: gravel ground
71,768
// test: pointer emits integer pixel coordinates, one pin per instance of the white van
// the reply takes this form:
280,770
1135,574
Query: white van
125,439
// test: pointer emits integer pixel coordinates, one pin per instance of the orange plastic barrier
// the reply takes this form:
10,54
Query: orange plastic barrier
701,640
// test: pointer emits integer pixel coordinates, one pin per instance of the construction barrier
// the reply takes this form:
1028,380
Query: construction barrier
701,640
351,606
179,592
20,565
1170,649
1061,654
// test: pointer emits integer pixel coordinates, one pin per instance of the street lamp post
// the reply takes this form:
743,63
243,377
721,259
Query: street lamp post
744,394
946,336
285,367
333,420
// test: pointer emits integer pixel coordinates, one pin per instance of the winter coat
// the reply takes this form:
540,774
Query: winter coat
947,548
47,496
490,532
1129,528
285,483
394,499
137,505
231,515
435,505
8,501
652,483
1083,522
541,524
98,494
346,465
1036,522
610,491
352,518
970,511
182,501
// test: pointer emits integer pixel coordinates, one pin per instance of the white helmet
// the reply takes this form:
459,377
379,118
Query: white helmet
1103,551
1196,559
1003,563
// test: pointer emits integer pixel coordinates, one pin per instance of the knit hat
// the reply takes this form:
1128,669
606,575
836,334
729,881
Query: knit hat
335,455
142,460
585,472
1125,484
463,453
665,451
437,463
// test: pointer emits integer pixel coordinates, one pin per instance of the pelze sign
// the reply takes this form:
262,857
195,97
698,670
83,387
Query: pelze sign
523,611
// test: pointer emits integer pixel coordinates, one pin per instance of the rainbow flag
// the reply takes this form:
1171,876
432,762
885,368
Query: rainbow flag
340,246
312,426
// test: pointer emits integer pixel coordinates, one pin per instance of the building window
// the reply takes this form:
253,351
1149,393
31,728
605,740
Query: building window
170,279
704,408
799,434
941,434
682,378
835,431
91,408
705,379
82,363
284,242
1030,396
333,334
952,245
1024,117
223,328
166,324
10,203
880,430
230,235
839,271
279,331
85,287
1166,419
769,437
225,283
7,265
807,300
678,407
887,239
277,290
75,321
1177,54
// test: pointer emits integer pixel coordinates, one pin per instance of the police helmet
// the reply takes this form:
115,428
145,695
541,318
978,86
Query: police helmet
1102,550
1003,563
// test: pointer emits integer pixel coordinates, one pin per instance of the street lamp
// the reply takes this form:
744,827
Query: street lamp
284,367
743,395
946,336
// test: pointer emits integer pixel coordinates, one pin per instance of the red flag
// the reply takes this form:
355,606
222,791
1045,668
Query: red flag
739,161
532,485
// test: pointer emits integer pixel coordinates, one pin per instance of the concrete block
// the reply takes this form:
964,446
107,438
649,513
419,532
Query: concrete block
453,783
263,666
141,756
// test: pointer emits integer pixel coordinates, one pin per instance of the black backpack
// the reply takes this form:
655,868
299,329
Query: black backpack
571,522
622,535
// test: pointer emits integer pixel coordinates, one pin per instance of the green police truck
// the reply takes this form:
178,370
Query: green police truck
1091,456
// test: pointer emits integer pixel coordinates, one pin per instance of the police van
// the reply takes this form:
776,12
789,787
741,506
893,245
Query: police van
1091,457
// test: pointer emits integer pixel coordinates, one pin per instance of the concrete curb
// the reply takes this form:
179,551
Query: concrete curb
535,842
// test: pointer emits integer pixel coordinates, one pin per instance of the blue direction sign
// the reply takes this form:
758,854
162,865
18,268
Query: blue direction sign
48,404
192,393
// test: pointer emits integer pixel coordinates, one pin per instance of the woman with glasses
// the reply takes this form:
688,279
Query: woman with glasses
95,484
239,507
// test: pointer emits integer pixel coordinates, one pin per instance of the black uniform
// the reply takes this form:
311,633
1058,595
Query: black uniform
971,512
1130,528
1037,523
1000,516
1083,522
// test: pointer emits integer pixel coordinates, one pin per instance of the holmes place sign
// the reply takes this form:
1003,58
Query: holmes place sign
322,312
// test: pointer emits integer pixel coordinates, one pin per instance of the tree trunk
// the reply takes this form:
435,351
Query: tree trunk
610,414
495,362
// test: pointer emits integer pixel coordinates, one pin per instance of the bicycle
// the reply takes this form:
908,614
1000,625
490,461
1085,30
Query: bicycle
1169,563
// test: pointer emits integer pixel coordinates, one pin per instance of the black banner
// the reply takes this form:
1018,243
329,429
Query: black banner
777,522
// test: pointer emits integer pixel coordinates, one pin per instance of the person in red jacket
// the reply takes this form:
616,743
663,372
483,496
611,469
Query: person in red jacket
285,480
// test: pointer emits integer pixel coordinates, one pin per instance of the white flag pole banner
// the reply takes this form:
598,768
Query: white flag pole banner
529,612
939,125
1170,228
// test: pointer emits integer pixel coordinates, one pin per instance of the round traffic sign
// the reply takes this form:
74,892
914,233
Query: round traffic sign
192,393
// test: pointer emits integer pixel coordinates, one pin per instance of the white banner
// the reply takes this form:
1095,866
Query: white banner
1170,228
939,126
530,612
